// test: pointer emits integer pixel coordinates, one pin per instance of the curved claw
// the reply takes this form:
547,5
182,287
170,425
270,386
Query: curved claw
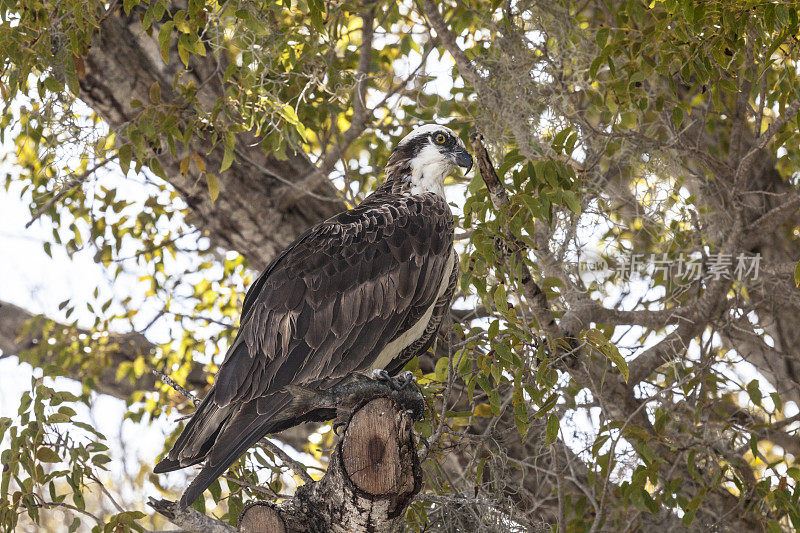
405,379
397,383
381,374
337,426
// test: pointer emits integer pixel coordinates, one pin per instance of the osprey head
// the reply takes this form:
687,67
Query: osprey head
425,157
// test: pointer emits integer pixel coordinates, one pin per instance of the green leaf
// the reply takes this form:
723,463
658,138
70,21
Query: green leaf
101,459
442,368
183,50
558,140
424,428
677,117
213,186
127,5
646,453
164,35
155,93
774,527
601,37
500,299
125,154
227,157
595,66
59,418
511,158
156,168
47,455
552,429
636,77
572,202
521,419
754,392
612,353
797,275
754,445
569,145
777,401
24,402
609,350
5,423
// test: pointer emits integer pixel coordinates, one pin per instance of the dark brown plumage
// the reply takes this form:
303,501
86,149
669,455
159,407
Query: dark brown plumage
340,299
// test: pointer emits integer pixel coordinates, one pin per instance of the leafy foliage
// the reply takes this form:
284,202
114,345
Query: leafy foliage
625,130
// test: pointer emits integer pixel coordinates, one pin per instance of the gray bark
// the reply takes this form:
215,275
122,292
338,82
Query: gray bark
371,479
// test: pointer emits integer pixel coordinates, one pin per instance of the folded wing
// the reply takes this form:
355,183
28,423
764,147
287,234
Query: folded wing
323,309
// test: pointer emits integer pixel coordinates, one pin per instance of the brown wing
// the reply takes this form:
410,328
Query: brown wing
330,303
324,308
440,310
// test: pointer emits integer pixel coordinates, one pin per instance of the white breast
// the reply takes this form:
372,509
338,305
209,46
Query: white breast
429,168
394,348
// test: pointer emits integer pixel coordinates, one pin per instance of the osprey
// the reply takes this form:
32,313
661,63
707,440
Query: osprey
364,290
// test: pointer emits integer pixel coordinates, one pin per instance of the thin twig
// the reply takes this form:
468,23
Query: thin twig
530,289
172,383
105,491
297,467
188,518
67,188
71,508
747,161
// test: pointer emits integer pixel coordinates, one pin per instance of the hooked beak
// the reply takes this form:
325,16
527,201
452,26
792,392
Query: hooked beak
462,158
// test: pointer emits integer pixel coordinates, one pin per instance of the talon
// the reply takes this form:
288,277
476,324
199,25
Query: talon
337,427
405,379
381,374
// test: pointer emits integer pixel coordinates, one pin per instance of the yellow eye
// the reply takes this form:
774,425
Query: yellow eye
439,138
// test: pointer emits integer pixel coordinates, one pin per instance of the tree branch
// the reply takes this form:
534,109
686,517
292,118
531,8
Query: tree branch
188,518
747,161
361,112
122,348
532,292
448,40
372,477
122,64
696,321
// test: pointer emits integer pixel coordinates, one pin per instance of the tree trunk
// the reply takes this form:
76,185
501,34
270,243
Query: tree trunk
372,477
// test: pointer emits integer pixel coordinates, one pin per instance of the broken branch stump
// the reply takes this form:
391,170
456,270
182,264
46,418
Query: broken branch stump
372,477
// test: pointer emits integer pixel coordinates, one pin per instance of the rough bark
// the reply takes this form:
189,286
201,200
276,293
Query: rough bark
372,477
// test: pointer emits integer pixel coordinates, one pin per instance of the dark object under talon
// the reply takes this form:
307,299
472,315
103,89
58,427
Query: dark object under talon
337,402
